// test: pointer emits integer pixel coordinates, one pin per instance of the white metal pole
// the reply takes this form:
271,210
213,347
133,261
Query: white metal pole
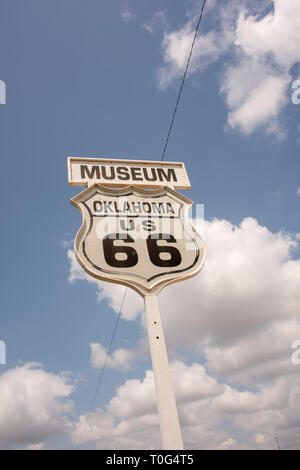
169,422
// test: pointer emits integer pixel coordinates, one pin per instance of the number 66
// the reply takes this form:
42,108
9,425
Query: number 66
154,251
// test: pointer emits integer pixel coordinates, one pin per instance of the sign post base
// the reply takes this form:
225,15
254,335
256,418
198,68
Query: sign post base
169,422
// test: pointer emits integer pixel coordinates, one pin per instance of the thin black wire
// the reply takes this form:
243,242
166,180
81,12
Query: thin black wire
103,367
162,158
183,80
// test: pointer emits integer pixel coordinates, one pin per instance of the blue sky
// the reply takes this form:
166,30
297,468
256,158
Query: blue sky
101,79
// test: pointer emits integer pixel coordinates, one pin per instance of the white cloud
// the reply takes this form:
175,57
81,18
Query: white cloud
267,48
127,14
208,46
248,285
239,318
112,293
242,309
257,76
134,398
130,419
177,44
131,422
193,382
34,405
255,95
267,356
39,446
120,359
158,22
261,439
229,443
276,34
67,243
92,426
298,190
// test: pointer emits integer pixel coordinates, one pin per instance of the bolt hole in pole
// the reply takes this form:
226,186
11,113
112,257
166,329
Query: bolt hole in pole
168,416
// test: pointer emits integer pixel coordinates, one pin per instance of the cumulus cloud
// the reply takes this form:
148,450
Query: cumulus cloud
127,14
239,319
267,356
276,34
112,293
247,296
248,285
261,439
208,47
261,53
34,405
177,44
255,95
120,359
158,22
267,48
229,443
39,446
130,420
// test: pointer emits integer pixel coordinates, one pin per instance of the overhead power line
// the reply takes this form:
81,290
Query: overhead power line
183,80
108,352
103,369
162,158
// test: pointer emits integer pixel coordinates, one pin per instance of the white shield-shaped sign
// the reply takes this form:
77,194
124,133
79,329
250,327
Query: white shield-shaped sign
141,238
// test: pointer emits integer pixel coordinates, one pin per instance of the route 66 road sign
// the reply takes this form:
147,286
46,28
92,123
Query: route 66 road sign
141,238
